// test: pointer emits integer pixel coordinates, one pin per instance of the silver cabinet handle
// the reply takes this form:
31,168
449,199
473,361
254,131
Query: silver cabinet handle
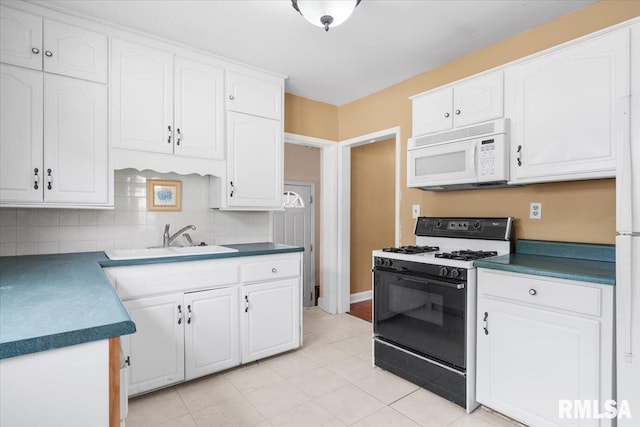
189,314
447,114
458,112
231,97
35,50
233,189
36,178
273,270
246,303
532,292
179,314
519,158
169,134
179,137
48,53
49,179
486,323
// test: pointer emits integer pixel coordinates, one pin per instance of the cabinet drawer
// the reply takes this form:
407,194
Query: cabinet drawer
548,292
144,280
270,270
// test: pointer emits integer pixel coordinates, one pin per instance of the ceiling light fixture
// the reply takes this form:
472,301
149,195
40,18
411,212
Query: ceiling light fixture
323,13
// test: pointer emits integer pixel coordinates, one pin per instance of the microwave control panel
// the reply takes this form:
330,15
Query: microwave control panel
492,161
487,157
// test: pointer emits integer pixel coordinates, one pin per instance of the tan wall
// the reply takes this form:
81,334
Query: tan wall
303,164
304,116
578,211
372,207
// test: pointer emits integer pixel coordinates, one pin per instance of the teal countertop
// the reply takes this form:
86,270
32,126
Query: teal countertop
573,261
53,301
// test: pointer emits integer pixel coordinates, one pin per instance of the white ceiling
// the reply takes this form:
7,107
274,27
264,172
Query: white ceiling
384,42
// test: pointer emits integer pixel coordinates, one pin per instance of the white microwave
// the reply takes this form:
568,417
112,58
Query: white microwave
466,163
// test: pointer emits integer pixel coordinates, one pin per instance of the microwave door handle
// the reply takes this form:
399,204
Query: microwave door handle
475,153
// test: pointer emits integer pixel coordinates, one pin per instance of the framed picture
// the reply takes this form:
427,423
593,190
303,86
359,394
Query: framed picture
164,195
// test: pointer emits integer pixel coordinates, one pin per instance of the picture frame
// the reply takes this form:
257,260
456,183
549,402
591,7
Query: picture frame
164,195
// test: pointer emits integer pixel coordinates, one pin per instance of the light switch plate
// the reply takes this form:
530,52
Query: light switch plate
415,211
535,210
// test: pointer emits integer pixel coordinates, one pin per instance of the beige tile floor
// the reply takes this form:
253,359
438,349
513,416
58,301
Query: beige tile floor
327,382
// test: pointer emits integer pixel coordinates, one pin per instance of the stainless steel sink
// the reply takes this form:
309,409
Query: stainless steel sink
124,254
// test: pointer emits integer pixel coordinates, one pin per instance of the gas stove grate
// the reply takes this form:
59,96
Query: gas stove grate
412,249
466,255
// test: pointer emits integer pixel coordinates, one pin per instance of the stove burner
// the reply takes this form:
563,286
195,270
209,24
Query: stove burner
412,249
466,255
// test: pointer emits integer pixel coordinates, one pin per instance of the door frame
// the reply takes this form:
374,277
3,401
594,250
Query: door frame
312,225
335,216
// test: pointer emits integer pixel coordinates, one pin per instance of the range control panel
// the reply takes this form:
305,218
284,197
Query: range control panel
472,228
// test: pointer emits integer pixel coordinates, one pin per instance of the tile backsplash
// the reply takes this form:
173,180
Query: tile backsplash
48,231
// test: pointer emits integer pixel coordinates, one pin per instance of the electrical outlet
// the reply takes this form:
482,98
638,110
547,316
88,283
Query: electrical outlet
415,211
535,210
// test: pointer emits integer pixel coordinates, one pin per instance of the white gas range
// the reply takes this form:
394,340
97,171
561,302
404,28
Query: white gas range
425,303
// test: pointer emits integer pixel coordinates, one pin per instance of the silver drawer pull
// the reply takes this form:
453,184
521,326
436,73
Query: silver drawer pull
273,270
35,50
532,292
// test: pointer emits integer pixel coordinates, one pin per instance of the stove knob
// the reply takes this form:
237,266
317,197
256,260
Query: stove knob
476,225
438,224
387,262
444,271
378,261
455,273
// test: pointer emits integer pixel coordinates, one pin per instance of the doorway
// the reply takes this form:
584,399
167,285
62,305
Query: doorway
295,226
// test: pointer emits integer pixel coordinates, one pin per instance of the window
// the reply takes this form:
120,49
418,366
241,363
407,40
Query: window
291,199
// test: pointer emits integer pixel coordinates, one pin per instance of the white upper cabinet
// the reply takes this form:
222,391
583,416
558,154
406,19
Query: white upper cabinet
199,110
76,146
20,38
21,134
254,164
472,101
250,95
75,52
568,108
60,48
63,159
141,98
166,104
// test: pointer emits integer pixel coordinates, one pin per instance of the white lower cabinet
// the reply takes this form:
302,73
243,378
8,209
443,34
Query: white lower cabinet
542,343
199,317
156,351
270,319
211,331
181,336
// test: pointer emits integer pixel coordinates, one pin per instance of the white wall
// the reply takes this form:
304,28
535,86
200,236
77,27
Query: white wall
129,225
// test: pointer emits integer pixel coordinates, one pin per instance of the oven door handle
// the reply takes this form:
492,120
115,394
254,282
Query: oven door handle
431,281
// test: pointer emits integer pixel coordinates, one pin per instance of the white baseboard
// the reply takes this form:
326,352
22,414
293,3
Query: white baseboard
360,296
321,304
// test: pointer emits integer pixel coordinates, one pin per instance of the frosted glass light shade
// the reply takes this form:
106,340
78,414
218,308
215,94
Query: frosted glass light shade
314,10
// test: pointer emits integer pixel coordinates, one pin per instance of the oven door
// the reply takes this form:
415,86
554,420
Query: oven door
422,314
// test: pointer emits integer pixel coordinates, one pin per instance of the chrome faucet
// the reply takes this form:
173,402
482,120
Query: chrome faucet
166,239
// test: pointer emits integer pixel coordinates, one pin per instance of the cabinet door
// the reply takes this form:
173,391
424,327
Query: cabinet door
254,161
20,38
567,108
75,52
270,319
478,100
76,149
531,358
432,112
199,110
141,98
156,349
20,135
211,331
251,95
